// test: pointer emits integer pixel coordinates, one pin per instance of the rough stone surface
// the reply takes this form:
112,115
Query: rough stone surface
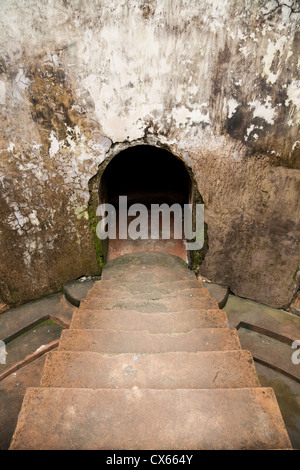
111,341
220,293
135,288
76,291
277,323
231,369
188,419
128,320
12,391
295,305
217,83
119,389
29,343
268,351
17,320
287,393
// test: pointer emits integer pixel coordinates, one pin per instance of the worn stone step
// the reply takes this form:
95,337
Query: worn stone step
218,292
120,247
116,342
74,419
199,293
226,369
75,291
147,267
171,304
146,259
151,274
146,287
132,320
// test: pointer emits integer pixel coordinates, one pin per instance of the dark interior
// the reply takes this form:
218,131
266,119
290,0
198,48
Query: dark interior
146,175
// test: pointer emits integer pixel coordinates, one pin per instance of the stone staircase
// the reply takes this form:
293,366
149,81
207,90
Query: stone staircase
149,362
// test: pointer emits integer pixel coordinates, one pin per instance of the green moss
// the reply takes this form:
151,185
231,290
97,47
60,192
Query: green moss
97,242
101,246
197,256
49,322
14,296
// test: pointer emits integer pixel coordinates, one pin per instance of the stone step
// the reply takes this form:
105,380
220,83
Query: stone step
172,304
118,342
271,352
152,274
75,291
218,292
123,419
104,294
146,287
145,260
225,369
141,262
130,320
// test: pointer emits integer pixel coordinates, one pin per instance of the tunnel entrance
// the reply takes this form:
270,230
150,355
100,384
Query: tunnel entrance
146,175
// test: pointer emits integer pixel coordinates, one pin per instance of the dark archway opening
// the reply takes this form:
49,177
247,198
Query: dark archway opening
146,175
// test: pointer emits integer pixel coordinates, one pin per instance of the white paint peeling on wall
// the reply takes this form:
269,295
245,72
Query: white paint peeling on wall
251,129
33,218
2,92
22,220
263,110
293,92
241,35
295,145
244,50
74,143
20,85
237,82
183,116
273,48
253,37
121,128
54,146
232,105
22,80
139,65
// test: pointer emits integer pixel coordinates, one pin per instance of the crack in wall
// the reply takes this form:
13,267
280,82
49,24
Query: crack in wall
280,5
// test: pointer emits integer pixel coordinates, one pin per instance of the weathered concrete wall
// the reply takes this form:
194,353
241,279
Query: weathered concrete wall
216,81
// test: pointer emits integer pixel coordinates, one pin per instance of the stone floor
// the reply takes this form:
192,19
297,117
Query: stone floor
33,329
269,333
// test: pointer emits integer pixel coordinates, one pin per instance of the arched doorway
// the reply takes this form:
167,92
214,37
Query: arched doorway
151,176
146,175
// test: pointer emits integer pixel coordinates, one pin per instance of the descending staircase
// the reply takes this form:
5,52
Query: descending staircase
149,362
